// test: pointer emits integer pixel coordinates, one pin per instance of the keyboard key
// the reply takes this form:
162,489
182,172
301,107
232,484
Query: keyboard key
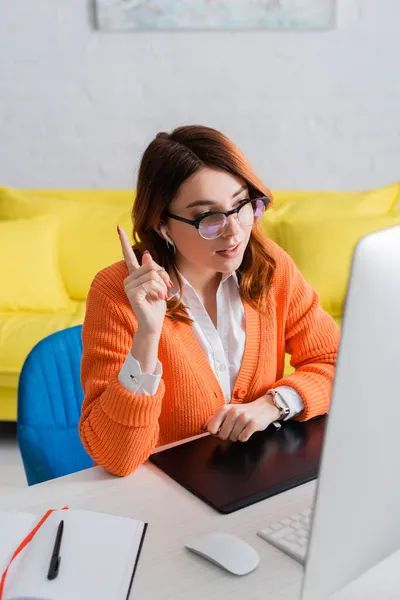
294,547
303,541
283,532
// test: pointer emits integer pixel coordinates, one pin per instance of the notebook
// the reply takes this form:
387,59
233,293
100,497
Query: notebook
99,554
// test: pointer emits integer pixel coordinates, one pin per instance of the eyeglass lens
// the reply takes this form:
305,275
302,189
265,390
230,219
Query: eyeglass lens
213,226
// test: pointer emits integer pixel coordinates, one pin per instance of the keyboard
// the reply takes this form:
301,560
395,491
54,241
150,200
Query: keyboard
290,534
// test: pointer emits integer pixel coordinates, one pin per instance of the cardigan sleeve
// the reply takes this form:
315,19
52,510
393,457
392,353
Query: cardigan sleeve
312,339
118,428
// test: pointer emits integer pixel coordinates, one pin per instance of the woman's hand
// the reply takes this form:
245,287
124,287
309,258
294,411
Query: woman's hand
238,422
147,288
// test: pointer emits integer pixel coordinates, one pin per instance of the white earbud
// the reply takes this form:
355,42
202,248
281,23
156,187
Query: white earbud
165,235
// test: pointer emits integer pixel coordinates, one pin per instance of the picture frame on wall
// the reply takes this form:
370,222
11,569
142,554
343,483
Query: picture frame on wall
137,15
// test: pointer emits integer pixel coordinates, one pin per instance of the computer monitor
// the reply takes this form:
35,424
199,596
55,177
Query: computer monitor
356,520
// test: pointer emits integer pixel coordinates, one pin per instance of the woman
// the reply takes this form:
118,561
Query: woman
188,333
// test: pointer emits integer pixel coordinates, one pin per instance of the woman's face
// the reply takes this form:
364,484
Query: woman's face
209,190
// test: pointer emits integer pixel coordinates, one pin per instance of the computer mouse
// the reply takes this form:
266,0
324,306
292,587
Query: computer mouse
227,551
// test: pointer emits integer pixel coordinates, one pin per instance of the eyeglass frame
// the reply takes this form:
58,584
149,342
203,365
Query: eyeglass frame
196,222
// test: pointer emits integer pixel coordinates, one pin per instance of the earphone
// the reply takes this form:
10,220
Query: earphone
165,234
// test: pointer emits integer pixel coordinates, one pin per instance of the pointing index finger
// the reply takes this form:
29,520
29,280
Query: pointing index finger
128,254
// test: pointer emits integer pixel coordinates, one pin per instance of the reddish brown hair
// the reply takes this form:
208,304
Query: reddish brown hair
167,162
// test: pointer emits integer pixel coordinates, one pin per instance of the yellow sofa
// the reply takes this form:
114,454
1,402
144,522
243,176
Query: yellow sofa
53,243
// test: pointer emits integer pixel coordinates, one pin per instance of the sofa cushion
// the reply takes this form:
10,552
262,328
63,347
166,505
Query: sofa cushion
20,332
375,201
303,206
125,197
88,236
323,251
89,242
29,266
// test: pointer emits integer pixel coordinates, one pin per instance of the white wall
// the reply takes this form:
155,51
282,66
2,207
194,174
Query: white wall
310,109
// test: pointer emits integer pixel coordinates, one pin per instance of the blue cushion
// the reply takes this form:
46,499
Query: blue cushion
50,397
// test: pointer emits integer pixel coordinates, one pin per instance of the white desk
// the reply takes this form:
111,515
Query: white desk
166,569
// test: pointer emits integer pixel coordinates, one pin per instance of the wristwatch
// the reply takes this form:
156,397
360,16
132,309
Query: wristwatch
280,404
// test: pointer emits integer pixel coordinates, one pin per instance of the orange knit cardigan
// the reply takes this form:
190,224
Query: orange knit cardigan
119,429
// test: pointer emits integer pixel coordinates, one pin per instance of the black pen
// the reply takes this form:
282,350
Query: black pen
55,557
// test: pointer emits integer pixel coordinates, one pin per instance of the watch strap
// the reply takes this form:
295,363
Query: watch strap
280,404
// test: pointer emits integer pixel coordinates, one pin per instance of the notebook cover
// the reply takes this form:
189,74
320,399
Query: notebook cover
232,475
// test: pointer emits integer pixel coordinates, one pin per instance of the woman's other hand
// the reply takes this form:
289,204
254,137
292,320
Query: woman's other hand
238,422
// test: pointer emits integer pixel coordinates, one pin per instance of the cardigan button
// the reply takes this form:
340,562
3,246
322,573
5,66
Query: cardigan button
240,394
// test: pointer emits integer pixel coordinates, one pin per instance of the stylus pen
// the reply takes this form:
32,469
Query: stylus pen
55,557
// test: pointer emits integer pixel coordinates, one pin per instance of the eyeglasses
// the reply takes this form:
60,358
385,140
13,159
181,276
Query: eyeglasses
211,225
